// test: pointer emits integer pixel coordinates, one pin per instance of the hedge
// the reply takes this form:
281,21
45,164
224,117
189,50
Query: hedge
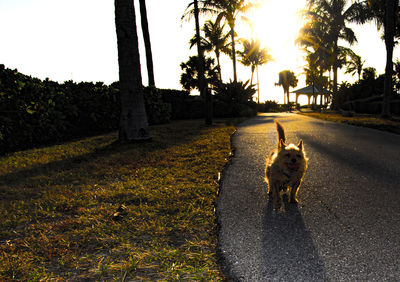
371,105
36,112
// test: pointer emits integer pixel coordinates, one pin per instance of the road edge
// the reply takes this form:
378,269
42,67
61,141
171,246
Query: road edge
221,259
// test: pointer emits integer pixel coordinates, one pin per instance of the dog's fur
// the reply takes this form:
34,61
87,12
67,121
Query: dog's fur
285,169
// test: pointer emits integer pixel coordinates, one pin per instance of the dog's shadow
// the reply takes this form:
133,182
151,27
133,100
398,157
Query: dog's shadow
288,250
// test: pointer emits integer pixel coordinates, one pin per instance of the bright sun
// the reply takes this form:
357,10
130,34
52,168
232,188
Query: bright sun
276,24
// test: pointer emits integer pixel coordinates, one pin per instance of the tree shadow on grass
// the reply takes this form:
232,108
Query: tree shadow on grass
289,253
103,155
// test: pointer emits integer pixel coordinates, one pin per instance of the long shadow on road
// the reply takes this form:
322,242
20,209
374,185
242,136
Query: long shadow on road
289,253
365,164
345,226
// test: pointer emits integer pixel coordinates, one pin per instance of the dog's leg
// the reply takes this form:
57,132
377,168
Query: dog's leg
275,196
267,179
281,204
274,189
293,192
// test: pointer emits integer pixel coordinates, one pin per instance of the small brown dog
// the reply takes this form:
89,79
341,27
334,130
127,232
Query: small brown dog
285,169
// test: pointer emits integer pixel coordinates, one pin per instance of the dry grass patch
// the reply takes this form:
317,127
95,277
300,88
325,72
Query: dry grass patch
58,207
371,121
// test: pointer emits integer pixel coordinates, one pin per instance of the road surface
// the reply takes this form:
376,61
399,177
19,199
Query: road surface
346,226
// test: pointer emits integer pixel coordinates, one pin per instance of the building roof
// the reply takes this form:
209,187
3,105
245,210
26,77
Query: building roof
311,89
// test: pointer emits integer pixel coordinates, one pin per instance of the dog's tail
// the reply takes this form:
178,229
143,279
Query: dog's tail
281,132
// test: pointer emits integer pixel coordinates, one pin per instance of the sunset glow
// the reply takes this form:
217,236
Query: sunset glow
276,24
85,50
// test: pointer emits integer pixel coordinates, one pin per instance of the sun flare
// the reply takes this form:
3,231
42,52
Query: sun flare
276,24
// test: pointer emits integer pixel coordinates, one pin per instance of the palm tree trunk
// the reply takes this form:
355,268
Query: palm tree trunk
251,77
218,67
390,8
258,86
321,73
133,120
147,44
202,83
233,54
284,95
335,74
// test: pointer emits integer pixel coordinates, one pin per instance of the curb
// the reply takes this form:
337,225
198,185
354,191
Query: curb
226,270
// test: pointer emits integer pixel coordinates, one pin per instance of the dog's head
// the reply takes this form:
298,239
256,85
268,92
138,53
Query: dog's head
291,157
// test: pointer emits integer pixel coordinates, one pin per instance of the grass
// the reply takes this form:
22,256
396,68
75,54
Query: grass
365,120
96,210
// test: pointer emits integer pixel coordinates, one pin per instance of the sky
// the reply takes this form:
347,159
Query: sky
76,39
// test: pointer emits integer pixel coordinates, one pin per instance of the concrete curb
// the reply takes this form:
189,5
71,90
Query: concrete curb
221,257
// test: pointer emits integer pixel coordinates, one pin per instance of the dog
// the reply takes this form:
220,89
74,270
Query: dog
285,169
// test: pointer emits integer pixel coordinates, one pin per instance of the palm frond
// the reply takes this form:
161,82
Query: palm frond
348,35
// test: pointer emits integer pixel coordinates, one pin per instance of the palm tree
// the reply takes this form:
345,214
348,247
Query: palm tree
214,40
287,79
314,76
253,56
390,13
375,10
229,11
190,74
386,13
369,73
335,14
248,55
396,77
314,36
354,65
202,83
133,120
147,43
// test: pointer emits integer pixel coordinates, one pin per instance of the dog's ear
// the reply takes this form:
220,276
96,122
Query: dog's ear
281,144
300,145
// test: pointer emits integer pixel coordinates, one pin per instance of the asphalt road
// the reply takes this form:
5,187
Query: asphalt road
346,226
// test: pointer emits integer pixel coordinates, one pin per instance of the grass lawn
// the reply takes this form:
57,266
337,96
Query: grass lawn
93,209
372,121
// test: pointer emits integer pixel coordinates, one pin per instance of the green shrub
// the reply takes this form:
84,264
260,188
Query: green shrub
269,107
35,112
362,89
245,110
158,112
31,111
235,92
235,99
371,105
221,109
96,106
177,99
395,107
